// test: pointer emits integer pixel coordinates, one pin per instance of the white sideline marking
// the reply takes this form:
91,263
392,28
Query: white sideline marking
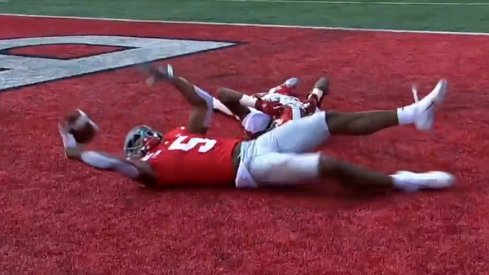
364,3
248,25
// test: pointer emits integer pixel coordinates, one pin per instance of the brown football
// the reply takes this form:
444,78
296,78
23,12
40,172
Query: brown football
81,126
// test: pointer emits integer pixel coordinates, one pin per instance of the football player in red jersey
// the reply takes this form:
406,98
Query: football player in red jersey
262,112
281,156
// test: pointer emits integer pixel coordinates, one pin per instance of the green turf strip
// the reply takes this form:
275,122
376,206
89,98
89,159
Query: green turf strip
415,17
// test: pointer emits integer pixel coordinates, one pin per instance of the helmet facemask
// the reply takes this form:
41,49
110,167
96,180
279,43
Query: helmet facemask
140,140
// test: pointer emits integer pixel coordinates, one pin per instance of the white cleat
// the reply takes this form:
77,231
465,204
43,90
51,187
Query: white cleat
426,107
288,85
412,182
292,82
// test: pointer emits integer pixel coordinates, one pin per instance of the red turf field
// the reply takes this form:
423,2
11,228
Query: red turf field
59,217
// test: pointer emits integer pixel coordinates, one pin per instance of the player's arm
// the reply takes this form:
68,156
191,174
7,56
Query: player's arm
239,103
202,102
134,169
231,99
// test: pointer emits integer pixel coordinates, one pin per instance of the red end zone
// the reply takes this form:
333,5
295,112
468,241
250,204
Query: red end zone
62,51
61,217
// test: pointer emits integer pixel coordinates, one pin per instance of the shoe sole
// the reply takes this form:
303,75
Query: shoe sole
441,89
449,179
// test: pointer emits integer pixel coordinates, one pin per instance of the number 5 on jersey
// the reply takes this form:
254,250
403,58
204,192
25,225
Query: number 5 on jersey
183,143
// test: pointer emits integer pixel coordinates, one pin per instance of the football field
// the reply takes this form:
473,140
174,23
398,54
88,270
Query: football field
59,217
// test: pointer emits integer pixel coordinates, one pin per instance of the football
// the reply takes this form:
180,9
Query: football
81,126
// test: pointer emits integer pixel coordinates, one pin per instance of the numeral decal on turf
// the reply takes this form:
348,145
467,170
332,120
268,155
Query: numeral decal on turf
182,143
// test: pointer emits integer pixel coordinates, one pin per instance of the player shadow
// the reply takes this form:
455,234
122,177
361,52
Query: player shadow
156,190
319,191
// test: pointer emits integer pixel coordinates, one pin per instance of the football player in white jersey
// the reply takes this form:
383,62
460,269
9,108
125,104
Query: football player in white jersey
264,111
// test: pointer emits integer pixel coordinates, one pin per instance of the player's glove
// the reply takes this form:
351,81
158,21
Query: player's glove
271,108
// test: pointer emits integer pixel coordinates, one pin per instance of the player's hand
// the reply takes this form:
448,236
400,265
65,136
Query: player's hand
157,73
72,149
271,108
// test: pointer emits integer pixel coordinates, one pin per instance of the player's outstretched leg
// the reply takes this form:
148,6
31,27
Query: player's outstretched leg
349,174
289,169
420,113
305,134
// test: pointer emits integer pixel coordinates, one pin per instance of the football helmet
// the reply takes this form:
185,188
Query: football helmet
140,140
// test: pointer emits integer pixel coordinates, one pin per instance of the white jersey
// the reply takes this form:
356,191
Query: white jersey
293,102
288,100
258,122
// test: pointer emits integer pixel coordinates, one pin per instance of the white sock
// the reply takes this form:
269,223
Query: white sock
291,82
248,101
406,114
317,92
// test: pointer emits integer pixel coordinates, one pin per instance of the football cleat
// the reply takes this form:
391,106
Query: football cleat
287,87
426,107
412,182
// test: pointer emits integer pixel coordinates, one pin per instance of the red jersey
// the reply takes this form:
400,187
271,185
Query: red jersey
186,158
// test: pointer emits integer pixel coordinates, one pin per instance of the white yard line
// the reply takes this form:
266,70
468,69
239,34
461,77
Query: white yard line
399,3
248,25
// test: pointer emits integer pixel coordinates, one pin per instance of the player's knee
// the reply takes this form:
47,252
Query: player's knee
335,121
293,168
327,165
